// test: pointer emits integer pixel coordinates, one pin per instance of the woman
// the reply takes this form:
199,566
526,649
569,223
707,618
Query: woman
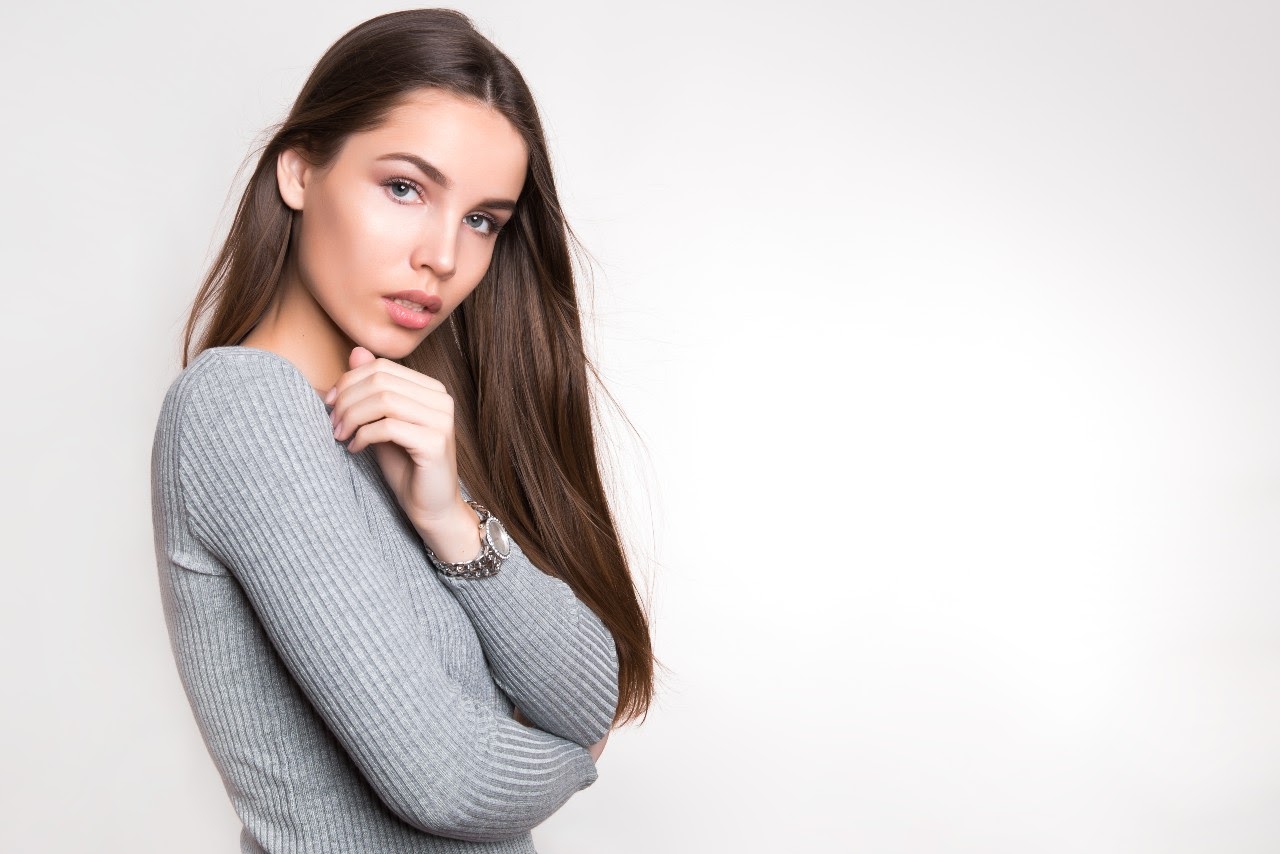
393,584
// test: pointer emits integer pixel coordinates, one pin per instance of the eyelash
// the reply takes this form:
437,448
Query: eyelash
494,226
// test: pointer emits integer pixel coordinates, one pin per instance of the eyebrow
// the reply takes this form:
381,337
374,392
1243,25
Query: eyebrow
438,177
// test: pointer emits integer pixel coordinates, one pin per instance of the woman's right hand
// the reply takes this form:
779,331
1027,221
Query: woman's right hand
407,417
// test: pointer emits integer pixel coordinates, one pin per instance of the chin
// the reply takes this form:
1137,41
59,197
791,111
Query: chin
394,346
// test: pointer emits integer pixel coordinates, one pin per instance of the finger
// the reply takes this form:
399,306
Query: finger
418,442
359,356
383,366
426,390
385,387
390,405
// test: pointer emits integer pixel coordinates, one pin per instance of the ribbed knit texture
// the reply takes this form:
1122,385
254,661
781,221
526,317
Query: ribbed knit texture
353,699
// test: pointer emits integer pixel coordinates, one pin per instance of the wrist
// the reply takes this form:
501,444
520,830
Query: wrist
495,547
455,536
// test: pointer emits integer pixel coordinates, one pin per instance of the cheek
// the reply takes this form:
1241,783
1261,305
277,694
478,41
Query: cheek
474,262
348,240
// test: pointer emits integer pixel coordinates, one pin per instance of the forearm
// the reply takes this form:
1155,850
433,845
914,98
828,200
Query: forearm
546,649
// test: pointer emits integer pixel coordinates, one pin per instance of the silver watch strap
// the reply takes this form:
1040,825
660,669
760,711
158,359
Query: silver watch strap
487,564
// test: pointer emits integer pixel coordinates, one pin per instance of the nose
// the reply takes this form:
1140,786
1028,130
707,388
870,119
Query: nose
436,247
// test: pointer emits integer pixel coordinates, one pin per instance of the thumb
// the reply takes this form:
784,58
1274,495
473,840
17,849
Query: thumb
359,356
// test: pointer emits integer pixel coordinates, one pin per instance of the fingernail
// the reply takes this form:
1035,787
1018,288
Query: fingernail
337,430
332,395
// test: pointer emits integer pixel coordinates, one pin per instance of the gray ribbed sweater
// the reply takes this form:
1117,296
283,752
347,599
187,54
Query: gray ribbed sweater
353,699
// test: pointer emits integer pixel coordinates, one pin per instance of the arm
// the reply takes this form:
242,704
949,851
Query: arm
266,491
546,649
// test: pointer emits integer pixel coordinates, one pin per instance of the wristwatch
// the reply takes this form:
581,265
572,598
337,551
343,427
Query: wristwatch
495,547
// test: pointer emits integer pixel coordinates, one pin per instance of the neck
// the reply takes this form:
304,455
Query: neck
296,327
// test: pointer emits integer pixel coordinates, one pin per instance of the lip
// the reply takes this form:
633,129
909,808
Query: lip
430,302
407,317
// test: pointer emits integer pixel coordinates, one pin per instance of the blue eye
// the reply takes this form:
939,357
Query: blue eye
482,223
401,189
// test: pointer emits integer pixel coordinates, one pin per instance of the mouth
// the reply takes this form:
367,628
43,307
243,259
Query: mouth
412,310
416,301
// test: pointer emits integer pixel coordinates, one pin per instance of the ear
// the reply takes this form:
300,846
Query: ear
292,172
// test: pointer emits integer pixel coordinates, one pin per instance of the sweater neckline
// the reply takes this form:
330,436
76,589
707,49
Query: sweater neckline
277,357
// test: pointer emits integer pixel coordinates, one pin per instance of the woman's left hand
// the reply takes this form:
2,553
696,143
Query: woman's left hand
408,418
595,750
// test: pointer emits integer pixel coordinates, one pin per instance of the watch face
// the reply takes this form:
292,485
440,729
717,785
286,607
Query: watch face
497,537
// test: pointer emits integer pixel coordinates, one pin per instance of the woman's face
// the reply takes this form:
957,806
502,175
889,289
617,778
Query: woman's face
408,211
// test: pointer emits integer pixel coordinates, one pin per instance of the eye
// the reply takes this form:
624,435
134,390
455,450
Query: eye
402,190
482,223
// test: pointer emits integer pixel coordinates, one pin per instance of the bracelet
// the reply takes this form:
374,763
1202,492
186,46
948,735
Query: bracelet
495,547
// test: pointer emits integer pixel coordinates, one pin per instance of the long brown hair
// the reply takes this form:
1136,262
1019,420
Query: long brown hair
517,369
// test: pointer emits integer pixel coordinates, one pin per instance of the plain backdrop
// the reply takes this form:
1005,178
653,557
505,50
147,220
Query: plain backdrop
948,331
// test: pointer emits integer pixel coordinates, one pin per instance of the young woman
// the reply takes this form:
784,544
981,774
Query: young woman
393,584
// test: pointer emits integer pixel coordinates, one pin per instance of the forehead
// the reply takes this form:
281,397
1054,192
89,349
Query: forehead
470,142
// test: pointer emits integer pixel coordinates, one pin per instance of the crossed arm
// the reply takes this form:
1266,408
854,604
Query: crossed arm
262,480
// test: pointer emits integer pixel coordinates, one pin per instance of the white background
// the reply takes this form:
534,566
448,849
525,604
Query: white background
949,331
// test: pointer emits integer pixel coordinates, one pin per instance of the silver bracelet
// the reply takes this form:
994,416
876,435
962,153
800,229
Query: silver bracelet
495,547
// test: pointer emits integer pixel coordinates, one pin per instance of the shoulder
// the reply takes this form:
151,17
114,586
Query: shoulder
238,390
237,372
231,376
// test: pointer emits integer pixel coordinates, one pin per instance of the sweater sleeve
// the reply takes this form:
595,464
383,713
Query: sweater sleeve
546,649
267,493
